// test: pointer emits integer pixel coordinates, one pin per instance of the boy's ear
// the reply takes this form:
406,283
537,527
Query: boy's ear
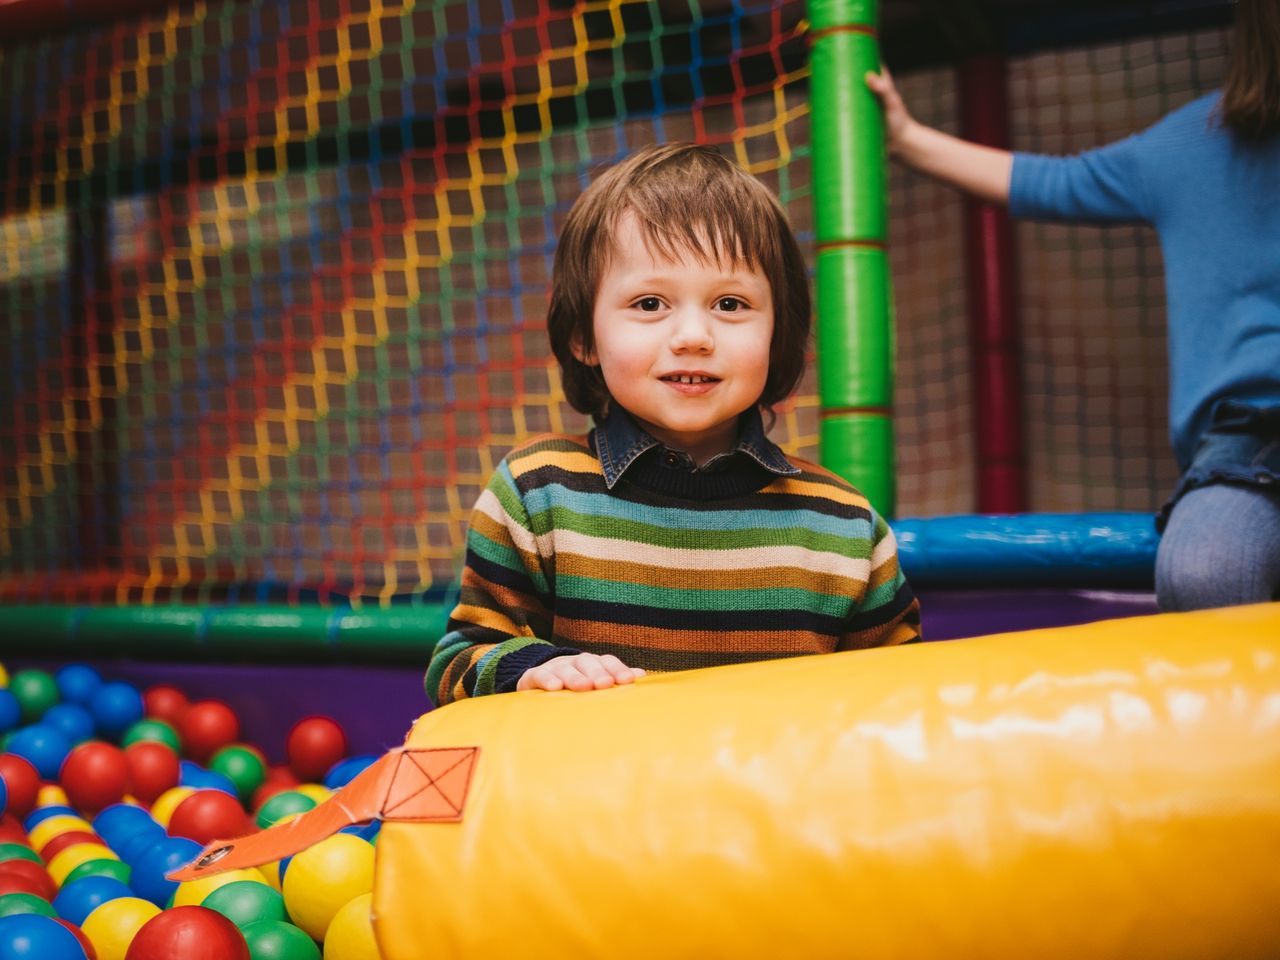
581,353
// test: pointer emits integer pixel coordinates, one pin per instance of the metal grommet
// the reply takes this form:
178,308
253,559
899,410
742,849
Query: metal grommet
213,856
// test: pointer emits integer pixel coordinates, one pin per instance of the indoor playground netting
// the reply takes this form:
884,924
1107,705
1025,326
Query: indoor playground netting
274,279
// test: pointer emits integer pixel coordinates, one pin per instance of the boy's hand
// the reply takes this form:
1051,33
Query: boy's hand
582,671
897,119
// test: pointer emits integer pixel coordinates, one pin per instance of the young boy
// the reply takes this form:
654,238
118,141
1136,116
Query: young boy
675,534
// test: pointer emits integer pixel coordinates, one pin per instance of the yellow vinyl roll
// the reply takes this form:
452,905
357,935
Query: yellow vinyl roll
1109,790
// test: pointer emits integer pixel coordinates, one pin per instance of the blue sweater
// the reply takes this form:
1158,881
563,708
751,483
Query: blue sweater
1215,204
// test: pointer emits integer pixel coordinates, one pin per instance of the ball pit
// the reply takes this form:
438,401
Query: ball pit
104,789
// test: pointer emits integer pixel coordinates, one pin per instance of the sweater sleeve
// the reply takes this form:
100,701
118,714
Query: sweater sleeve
1102,185
496,631
889,613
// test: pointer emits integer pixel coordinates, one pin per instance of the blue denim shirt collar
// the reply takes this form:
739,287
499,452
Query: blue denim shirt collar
620,441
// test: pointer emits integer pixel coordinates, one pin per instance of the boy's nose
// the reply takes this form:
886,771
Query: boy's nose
692,332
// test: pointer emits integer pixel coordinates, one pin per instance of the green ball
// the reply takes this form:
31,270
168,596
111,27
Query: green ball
277,940
246,901
4,741
12,904
281,805
242,765
152,728
36,691
18,851
115,869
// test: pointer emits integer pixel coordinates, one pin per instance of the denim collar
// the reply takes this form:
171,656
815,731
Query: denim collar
620,441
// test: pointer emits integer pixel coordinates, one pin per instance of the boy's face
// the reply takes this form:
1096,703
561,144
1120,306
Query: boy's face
683,345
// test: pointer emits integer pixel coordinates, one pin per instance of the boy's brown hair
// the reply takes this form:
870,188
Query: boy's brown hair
1250,103
686,199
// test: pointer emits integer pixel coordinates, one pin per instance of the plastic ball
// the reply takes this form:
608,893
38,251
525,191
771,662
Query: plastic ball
70,838
115,869
206,727
85,944
151,728
243,765
135,846
17,851
4,676
314,745
116,706
196,776
165,703
275,940
95,775
344,771
77,682
10,710
21,780
12,904
23,876
36,691
165,804
79,898
195,892
11,830
286,803
279,779
44,746
74,720
315,791
30,935
350,934
51,794
121,820
324,878
192,933
45,823
112,925
208,815
166,855
60,867
246,901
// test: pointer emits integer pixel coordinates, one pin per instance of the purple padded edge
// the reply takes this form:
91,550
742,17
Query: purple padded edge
377,705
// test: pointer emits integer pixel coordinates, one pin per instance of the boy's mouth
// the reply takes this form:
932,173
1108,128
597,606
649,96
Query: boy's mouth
690,378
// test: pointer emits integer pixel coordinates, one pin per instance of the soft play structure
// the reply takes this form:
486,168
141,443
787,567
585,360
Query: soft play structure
273,281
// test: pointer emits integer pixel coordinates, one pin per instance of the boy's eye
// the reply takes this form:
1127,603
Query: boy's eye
729,304
649,304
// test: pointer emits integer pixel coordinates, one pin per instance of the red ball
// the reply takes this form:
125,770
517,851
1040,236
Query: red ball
190,932
85,943
164,703
68,839
209,815
153,769
206,727
11,830
22,781
94,775
314,745
23,876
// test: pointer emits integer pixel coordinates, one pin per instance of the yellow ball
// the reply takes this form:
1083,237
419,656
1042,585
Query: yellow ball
167,802
350,933
112,925
51,795
316,791
46,830
4,676
71,857
271,872
322,879
192,892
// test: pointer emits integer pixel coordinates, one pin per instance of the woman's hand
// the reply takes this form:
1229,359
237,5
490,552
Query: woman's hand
582,671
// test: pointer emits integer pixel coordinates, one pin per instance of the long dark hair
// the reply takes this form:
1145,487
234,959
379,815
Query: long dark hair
1251,93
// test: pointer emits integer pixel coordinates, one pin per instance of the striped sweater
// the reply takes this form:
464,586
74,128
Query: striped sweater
667,570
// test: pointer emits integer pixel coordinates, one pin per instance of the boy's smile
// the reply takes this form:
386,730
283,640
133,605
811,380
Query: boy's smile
683,345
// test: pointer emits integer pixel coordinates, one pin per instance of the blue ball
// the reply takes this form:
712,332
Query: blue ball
191,774
135,846
78,898
148,878
29,936
41,814
75,722
44,746
116,706
365,831
77,682
4,797
344,771
10,710
120,821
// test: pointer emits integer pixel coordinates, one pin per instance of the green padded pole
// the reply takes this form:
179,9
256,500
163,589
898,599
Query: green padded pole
854,306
